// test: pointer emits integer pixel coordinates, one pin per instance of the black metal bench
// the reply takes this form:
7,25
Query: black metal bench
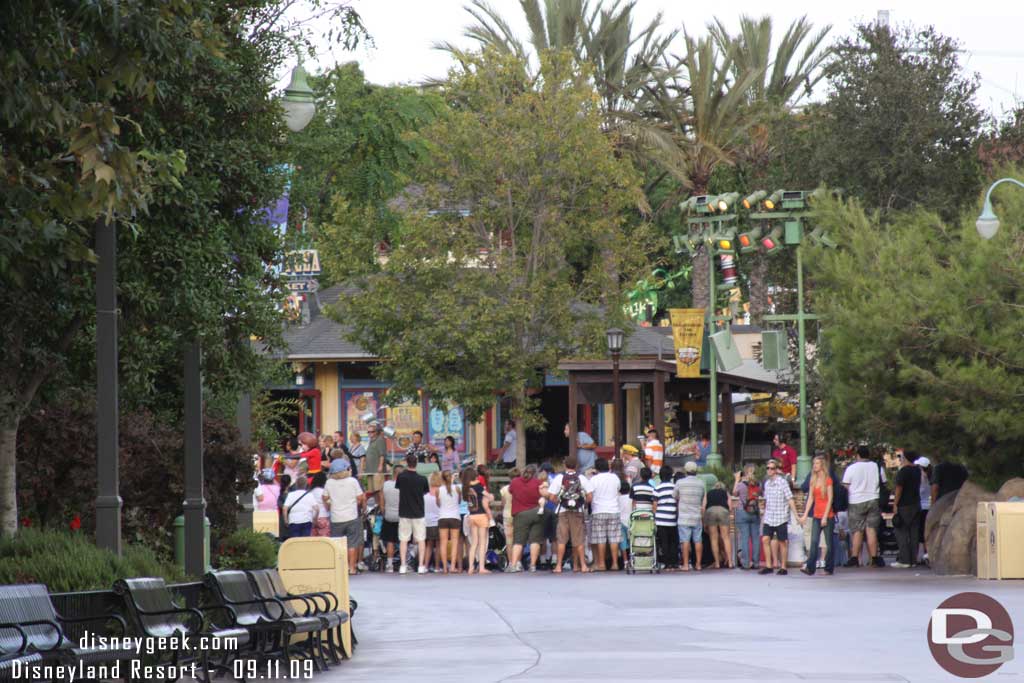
267,583
151,609
32,633
266,618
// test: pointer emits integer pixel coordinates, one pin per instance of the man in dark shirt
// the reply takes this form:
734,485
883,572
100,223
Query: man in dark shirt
947,477
907,498
411,515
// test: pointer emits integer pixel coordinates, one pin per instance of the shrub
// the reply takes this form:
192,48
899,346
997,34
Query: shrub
247,549
67,561
57,472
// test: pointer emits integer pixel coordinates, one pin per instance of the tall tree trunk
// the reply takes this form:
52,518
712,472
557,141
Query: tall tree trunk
699,278
517,404
8,477
758,288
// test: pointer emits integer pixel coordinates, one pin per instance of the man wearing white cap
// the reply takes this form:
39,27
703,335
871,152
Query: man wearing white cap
926,499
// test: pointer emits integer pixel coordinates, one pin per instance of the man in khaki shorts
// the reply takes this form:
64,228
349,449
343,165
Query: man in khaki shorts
571,492
412,523
864,516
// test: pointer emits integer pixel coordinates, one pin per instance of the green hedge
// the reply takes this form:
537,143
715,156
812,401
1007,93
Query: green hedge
247,549
70,561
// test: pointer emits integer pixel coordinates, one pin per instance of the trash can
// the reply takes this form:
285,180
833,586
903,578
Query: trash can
179,541
312,564
265,522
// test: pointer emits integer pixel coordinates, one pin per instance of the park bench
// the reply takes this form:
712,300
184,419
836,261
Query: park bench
32,633
323,605
266,618
153,613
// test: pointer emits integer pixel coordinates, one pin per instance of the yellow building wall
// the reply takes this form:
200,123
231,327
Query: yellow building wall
634,413
609,421
330,396
481,439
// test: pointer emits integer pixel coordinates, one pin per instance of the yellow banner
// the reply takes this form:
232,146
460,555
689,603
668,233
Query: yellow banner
688,335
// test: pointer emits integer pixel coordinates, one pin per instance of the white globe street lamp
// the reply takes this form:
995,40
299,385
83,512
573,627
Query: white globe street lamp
298,103
988,223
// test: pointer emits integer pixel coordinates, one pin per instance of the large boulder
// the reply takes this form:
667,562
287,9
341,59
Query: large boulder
1014,488
955,548
937,522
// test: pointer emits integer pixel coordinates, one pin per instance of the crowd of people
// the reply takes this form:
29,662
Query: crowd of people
435,515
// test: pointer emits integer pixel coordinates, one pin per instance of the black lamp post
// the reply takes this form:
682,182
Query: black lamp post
614,337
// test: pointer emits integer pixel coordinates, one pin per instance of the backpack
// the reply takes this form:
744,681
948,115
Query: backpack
840,498
750,505
571,498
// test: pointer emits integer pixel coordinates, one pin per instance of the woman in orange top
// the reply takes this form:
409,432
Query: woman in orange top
820,498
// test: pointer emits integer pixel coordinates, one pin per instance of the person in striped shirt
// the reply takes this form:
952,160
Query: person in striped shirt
654,452
665,520
642,492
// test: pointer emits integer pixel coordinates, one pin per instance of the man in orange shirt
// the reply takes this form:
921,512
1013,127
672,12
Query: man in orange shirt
654,451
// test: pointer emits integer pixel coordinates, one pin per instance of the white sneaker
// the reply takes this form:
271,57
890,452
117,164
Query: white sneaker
421,570
403,569
389,568
821,564
361,566
899,565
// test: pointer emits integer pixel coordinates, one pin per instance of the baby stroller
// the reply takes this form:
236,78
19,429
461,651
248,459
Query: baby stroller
497,545
643,548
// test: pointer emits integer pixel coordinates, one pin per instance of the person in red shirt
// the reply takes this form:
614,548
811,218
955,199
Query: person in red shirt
528,516
786,455
312,454
483,476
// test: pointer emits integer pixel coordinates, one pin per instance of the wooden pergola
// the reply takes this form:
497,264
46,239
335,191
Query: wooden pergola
590,381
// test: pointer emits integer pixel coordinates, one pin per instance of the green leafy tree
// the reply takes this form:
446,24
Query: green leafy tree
900,126
503,263
921,333
352,160
161,116
625,64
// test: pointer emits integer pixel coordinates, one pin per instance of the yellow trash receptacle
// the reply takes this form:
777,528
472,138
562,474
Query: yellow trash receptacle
265,522
315,564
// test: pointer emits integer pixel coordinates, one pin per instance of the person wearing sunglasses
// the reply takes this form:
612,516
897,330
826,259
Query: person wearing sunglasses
778,500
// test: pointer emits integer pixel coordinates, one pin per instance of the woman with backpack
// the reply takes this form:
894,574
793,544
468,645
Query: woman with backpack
748,517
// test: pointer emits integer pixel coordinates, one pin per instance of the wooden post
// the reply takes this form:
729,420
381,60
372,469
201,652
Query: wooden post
729,426
573,426
659,404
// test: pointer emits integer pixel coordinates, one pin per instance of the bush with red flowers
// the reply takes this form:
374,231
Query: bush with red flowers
57,473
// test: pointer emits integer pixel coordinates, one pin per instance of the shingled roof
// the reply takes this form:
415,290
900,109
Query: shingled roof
324,339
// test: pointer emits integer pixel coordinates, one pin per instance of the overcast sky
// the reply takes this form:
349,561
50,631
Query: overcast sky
404,31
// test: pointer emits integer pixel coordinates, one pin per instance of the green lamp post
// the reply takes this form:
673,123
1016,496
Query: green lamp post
988,223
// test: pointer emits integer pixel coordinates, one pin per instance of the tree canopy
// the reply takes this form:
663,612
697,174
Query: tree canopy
900,125
160,116
921,331
508,254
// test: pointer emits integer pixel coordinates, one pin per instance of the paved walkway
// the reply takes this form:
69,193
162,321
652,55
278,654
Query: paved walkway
717,625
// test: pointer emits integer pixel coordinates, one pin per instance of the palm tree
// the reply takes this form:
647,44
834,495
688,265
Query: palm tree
624,64
783,81
787,75
705,120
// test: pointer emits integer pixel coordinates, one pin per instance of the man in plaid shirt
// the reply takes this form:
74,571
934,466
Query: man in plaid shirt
778,502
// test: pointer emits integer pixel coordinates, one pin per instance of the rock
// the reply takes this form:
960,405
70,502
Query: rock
1014,488
935,525
954,549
